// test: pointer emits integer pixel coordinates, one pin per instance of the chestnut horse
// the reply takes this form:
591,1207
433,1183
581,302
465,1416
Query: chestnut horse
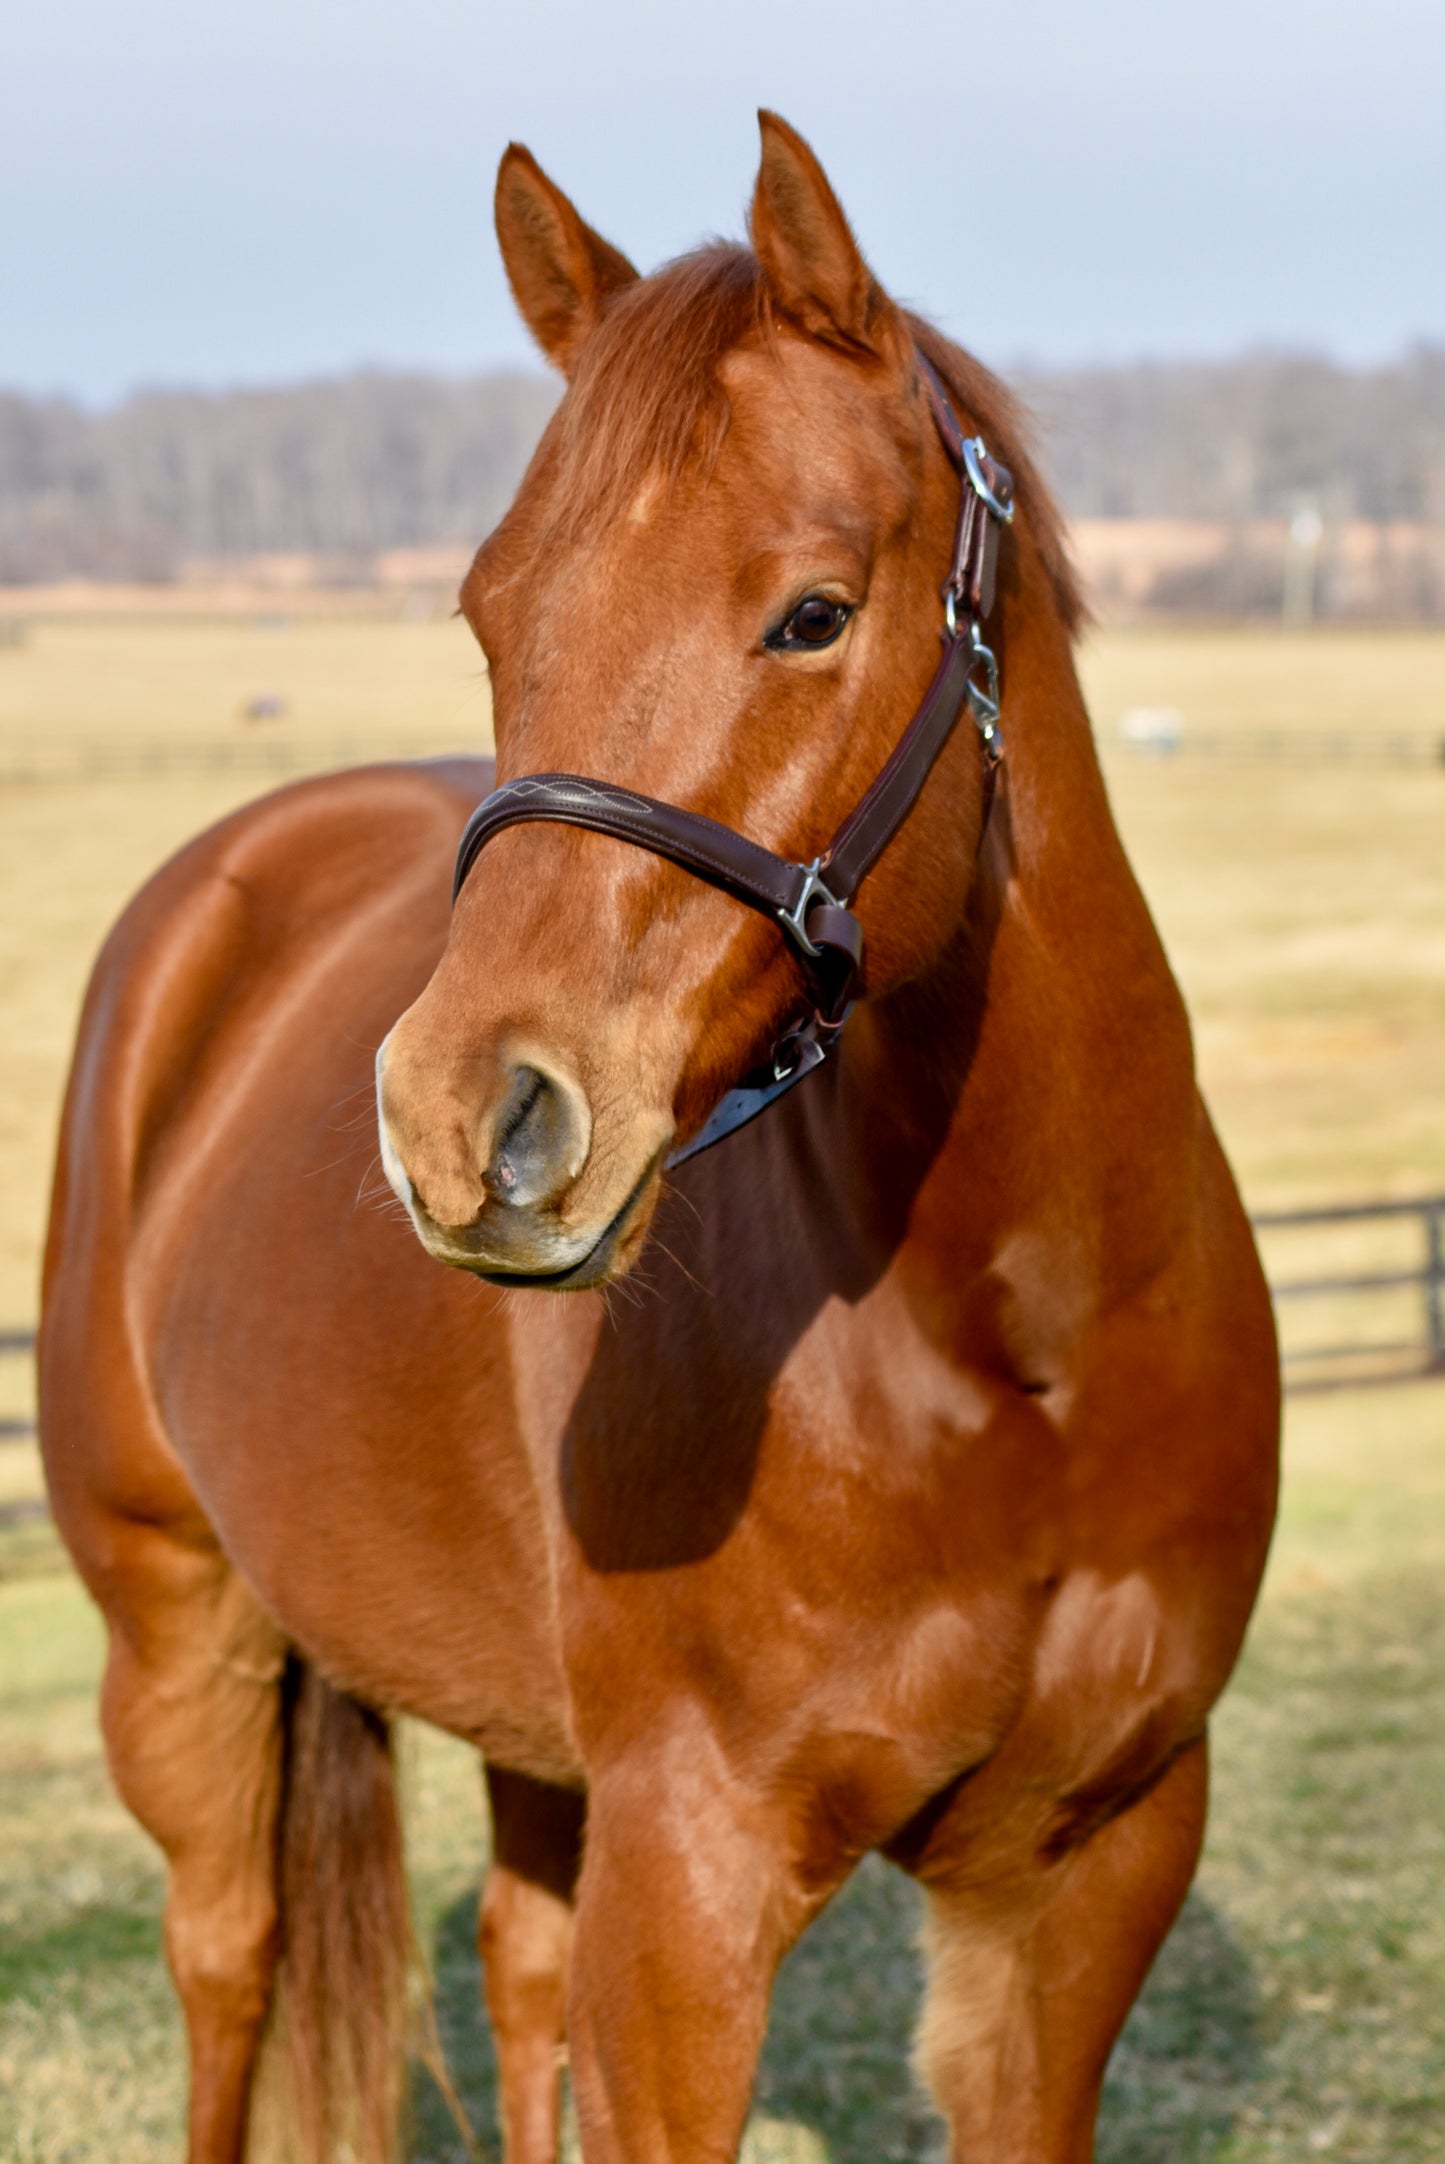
911,1490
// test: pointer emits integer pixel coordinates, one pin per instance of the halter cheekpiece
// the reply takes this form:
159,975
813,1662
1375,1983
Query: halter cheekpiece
811,902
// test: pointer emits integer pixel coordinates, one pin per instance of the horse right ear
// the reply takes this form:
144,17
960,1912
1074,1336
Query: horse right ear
814,267
560,271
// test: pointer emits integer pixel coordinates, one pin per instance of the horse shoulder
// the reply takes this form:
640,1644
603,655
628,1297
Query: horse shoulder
239,1339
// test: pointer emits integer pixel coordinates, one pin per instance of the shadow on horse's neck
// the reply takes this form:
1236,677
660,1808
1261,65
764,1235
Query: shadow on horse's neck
807,1207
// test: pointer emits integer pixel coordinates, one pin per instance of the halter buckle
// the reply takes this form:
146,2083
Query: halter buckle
975,451
795,919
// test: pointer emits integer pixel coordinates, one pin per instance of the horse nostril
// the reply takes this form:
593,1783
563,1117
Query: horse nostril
541,1140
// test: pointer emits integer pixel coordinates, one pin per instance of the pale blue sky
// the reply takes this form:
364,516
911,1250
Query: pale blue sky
198,193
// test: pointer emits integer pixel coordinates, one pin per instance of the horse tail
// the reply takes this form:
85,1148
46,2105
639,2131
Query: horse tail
336,2050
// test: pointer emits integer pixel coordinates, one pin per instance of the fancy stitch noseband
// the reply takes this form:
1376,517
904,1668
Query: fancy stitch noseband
811,908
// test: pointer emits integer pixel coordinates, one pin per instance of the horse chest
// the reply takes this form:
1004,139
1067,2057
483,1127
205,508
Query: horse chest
862,1664
888,1615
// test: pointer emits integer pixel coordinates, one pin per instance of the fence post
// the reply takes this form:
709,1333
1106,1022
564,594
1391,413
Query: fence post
1435,1283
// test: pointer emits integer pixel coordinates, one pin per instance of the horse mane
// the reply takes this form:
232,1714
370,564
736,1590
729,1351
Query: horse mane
648,396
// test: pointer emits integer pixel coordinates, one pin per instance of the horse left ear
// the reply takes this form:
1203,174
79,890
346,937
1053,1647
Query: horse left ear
812,263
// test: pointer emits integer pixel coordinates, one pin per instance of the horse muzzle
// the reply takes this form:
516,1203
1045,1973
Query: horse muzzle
492,1175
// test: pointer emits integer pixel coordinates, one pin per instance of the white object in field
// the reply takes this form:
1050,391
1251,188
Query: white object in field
1152,728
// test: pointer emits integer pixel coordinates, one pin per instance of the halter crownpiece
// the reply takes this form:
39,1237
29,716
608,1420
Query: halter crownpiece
811,903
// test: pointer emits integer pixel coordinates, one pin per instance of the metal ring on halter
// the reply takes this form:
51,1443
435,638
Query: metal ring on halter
984,705
782,1066
794,920
974,453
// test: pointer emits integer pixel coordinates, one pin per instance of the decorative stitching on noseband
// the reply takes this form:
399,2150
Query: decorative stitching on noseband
581,791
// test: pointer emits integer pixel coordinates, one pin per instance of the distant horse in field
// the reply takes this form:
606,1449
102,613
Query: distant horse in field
909,1488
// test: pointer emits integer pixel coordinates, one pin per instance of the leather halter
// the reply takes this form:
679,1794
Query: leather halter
811,901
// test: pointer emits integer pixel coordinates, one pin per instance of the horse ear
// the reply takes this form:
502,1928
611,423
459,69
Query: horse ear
560,271
812,263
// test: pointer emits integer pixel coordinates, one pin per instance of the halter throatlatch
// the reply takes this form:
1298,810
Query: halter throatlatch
811,902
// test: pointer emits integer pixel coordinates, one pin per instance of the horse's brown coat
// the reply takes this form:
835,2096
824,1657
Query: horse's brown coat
911,1489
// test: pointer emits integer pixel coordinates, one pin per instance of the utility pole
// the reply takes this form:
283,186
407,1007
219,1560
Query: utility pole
1306,529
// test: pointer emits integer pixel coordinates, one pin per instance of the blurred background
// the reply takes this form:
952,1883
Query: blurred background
262,391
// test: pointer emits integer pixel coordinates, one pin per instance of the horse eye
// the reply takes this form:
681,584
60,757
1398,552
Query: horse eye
815,622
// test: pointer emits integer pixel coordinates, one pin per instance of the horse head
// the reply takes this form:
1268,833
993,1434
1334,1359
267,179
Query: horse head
718,587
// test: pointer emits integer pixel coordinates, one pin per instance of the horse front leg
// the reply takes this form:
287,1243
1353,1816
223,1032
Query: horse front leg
1032,1974
192,1716
685,1909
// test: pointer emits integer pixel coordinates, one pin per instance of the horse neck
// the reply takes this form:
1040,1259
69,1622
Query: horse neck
1039,1077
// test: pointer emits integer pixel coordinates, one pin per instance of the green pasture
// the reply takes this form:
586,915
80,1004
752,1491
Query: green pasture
1299,2008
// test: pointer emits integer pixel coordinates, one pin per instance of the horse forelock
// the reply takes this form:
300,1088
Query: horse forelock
649,400
648,396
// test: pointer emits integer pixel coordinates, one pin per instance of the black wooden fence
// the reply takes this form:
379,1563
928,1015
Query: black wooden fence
16,1344
276,754
62,759
1308,1364
1418,1349
1302,746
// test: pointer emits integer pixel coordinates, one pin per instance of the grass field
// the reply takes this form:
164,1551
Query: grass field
1299,2009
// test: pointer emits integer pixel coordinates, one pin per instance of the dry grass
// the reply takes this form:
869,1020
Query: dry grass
1378,680
71,855
1303,906
1297,2010
366,677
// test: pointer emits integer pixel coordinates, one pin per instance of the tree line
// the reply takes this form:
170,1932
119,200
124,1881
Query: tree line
1257,437
338,469
346,468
